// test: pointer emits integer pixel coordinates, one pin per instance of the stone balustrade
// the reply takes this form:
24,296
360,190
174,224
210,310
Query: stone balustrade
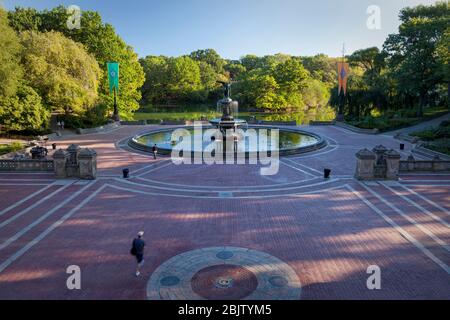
383,164
26,165
435,165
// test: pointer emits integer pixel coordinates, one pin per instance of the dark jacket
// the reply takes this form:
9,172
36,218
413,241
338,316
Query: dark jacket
138,245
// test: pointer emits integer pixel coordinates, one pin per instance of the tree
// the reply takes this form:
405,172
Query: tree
23,19
370,60
61,70
316,94
412,53
211,57
265,90
291,76
23,111
234,68
184,78
443,51
251,62
155,87
101,40
10,69
322,67
208,76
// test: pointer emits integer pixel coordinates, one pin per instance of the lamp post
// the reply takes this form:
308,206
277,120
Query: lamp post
116,116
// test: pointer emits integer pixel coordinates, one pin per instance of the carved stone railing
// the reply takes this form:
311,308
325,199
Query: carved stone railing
383,164
435,165
7,165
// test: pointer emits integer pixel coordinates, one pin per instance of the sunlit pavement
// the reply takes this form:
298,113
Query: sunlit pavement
226,231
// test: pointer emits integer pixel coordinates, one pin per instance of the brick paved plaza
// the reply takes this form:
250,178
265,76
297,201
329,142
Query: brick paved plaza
294,235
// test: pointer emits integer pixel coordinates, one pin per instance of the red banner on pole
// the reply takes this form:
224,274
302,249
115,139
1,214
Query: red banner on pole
343,71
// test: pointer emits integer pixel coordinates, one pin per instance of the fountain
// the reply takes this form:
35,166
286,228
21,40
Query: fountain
228,108
230,131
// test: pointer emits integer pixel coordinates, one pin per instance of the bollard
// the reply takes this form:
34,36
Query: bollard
402,146
126,173
326,173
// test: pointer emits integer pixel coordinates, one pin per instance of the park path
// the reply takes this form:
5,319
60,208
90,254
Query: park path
421,126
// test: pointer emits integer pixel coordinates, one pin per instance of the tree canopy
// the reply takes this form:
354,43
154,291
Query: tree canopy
100,40
45,66
61,70
10,48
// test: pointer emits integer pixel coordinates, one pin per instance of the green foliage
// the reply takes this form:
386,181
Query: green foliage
384,124
322,68
23,111
23,19
387,89
442,146
278,85
156,79
445,124
10,69
210,57
427,135
413,52
433,134
179,79
184,77
63,73
8,148
234,69
101,41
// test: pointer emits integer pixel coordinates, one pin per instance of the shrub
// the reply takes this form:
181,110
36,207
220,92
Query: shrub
442,132
428,135
442,146
445,124
13,147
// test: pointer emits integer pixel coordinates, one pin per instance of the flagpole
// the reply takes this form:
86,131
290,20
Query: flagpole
340,116
116,110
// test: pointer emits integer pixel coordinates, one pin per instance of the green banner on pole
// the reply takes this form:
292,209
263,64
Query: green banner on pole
113,76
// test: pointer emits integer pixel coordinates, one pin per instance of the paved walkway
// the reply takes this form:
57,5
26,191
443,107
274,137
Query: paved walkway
422,126
226,231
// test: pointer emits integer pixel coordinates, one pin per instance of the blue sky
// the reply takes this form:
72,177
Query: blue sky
238,27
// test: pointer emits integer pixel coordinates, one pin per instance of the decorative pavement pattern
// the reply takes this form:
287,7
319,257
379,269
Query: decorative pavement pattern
226,232
223,273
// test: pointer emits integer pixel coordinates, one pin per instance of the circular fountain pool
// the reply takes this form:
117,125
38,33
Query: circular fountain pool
254,139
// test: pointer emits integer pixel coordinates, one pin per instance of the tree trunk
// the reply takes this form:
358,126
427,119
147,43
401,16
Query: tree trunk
421,104
448,95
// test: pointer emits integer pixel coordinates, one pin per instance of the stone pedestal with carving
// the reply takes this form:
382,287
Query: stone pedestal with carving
72,162
75,163
87,164
365,165
392,164
59,162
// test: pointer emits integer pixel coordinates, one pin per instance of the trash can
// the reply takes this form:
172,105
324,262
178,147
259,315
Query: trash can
326,173
402,146
54,146
126,173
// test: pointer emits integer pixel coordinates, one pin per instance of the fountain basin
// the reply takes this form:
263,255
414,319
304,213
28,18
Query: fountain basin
291,142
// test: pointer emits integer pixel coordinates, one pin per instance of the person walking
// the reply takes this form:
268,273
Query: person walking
62,125
137,250
155,151
59,125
